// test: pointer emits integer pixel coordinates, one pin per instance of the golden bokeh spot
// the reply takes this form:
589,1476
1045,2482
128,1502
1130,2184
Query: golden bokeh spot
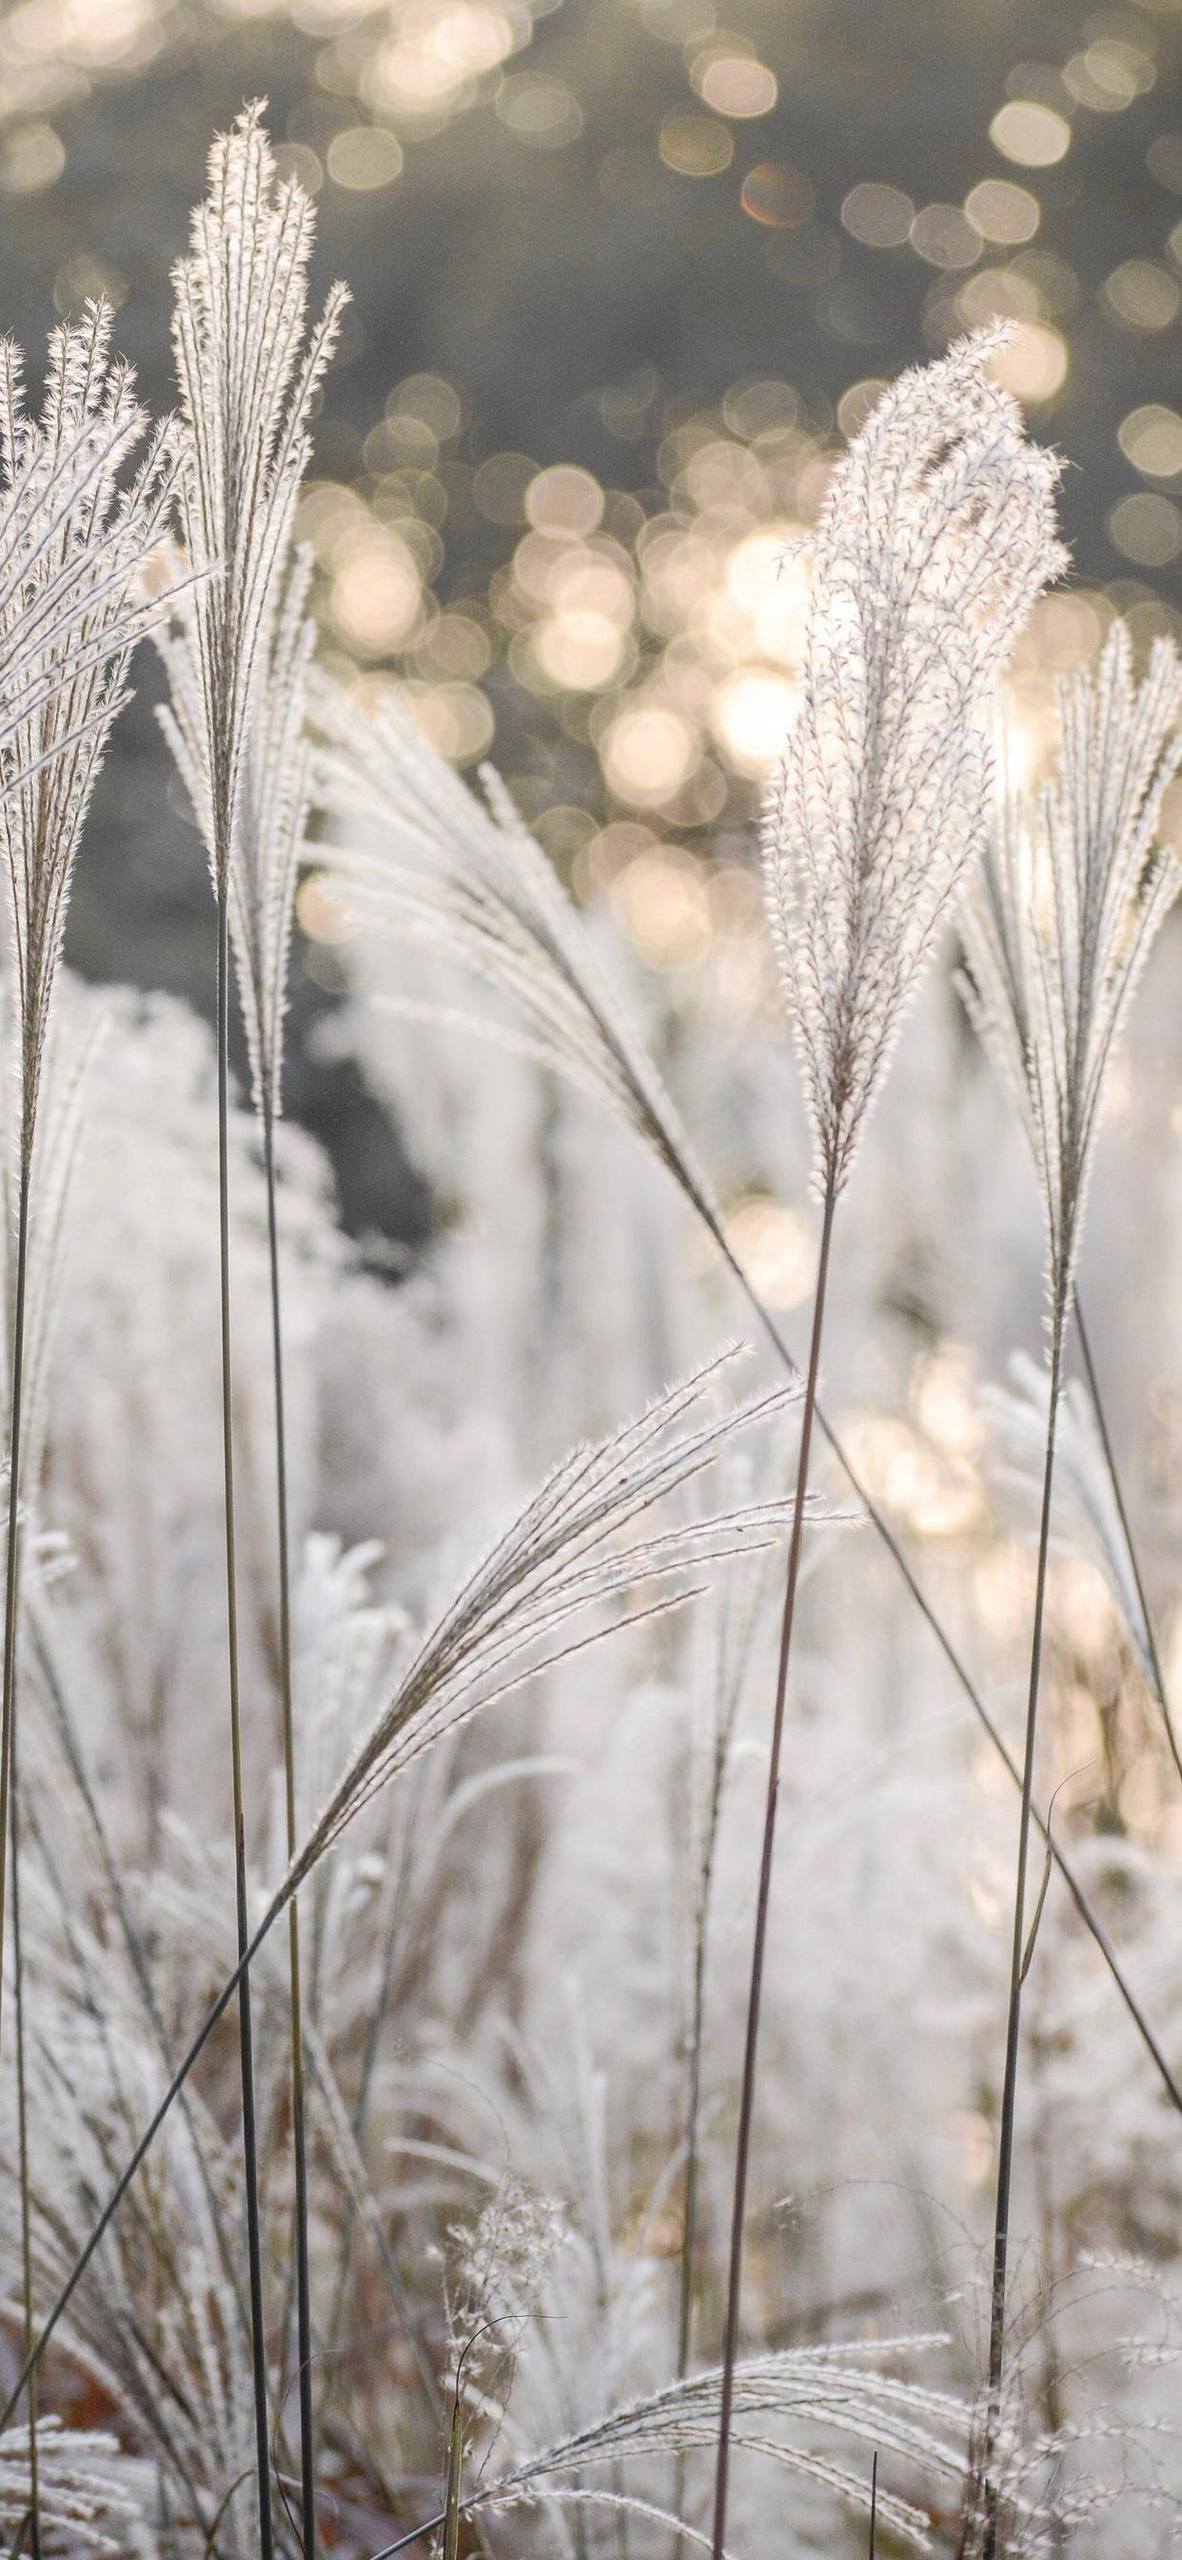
1034,135
1003,212
734,84
1108,75
364,157
1142,295
649,753
32,157
945,237
377,592
662,902
1147,527
581,649
879,216
541,111
696,146
777,195
564,500
751,715
499,486
1151,439
776,1249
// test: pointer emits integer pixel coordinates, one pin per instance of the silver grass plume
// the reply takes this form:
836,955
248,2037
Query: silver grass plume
812,2388
548,1588
418,855
935,538
248,368
274,807
1060,921
74,546
544,1590
1056,933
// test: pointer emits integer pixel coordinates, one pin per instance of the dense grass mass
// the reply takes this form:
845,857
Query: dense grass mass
589,1898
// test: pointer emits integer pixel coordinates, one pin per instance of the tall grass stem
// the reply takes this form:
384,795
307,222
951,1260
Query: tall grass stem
1019,1959
245,2027
298,2098
11,1568
22,2118
763,1900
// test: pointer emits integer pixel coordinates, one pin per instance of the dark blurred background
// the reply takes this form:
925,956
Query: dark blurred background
623,273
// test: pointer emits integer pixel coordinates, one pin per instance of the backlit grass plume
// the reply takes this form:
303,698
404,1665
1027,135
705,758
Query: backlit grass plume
1060,920
421,859
73,547
74,543
249,368
579,1561
1057,930
420,856
829,2390
936,535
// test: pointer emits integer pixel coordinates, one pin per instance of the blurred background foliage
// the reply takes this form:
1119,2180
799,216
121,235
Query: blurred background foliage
624,273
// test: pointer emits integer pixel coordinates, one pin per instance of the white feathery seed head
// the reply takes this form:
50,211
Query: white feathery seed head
1061,919
74,546
419,857
249,368
936,536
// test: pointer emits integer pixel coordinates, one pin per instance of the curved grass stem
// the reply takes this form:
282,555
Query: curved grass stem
1019,1964
9,1789
763,1901
298,2094
22,2119
12,1550
245,2025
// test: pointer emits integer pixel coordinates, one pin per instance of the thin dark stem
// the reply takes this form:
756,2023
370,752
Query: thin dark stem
956,1665
1155,1663
11,1569
245,2027
693,2115
693,2104
130,2172
747,2095
133,1943
1018,1963
298,2105
22,2121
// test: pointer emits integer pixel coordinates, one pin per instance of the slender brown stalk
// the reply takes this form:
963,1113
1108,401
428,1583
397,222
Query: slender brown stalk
245,2027
11,1570
747,2095
22,2119
9,1790
298,2101
1019,1964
